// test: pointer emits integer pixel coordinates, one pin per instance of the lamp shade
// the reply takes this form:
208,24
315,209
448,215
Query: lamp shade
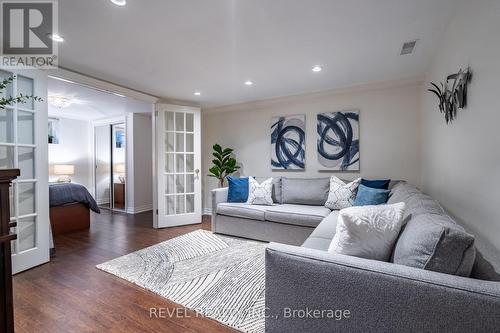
120,168
64,169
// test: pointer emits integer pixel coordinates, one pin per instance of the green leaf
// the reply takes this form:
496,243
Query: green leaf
217,148
217,155
217,163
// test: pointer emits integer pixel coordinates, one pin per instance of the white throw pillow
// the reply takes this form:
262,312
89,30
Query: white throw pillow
260,194
341,195
368,231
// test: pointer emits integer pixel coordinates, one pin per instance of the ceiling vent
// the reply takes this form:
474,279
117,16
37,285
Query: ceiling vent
409,47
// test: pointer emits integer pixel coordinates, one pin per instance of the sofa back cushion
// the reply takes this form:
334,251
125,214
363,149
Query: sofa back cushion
305,191
276,195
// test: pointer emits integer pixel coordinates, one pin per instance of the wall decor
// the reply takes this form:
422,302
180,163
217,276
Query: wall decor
120,138
53,130
338,140
288,142
452,96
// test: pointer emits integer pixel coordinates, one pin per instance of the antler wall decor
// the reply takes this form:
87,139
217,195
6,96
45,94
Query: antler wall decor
455,97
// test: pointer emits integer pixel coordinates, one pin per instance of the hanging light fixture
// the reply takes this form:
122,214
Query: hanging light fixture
59,101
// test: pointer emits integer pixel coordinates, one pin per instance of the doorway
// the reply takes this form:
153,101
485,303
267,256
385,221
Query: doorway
110,166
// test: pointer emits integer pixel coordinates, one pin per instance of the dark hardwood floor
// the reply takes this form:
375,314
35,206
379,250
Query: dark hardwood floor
70,295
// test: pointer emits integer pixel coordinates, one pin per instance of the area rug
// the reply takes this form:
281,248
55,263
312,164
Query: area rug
216,276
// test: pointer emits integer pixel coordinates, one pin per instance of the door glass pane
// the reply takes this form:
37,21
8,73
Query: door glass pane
13,243
179,183
169,163
170,184
189,122
179,142
169,121
190,203
26,198
25,87
12,205
6,126
189,163
7,92
170,202
26,160
26,127
169,142
189,143
189,183
26,231
179,121
179,209
179,161
6,157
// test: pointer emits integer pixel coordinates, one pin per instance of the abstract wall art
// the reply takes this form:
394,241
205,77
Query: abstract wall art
288,142
338,140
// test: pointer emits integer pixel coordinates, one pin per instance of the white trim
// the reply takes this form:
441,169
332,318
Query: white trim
98,84
139,209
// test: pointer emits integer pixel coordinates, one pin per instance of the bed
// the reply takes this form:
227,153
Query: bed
70,206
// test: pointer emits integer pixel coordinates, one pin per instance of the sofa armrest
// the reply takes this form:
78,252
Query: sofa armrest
218,195
316,291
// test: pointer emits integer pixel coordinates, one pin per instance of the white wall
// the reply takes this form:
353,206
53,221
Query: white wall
461,161
139,162
389,132
74,148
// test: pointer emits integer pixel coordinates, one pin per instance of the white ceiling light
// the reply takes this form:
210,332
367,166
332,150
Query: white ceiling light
317,68
197,93
56,38
249,83
119,95
59,101
119,2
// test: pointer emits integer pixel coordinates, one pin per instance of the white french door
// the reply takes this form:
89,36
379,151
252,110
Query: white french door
23,145
178,164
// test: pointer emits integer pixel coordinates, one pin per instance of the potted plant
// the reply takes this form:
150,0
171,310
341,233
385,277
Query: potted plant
224,164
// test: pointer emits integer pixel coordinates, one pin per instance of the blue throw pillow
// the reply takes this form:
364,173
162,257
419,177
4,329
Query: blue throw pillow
381,184
371,196
238,189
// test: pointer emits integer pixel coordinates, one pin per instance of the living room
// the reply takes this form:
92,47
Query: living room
317,166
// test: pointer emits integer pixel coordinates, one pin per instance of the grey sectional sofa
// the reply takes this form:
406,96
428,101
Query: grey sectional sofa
311,290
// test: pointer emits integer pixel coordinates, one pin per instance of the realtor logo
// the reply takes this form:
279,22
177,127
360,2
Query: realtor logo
27,27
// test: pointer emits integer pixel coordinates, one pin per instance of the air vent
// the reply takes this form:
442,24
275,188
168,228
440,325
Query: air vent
409,47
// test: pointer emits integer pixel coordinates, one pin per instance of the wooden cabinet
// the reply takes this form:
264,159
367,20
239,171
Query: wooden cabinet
6,302
119,195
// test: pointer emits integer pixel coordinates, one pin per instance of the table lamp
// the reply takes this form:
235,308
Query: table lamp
64,171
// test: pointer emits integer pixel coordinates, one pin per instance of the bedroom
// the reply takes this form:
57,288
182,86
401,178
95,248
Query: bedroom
89,149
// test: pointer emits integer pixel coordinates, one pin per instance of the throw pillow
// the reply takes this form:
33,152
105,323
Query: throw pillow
341,195
368,196
368,231
260,194
238,189
379,183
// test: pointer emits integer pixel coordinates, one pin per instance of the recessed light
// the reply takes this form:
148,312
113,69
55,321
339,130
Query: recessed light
197,93
249,83
119,2
56,38
119,95
317,68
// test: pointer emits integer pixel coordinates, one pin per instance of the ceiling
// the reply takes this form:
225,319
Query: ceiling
90,104
171,48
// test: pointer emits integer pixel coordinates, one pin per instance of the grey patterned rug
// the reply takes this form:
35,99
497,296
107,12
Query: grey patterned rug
216,276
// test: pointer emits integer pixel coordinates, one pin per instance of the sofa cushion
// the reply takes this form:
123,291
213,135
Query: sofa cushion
244,210
434,242
416,202
308,216
341,195
276,188
382,184
237,189
322,236
303,191
370,196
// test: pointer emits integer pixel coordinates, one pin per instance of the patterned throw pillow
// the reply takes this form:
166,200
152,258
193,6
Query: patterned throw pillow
260,194
341,195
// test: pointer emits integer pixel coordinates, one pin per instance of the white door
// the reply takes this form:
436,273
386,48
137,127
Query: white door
24,145
178,160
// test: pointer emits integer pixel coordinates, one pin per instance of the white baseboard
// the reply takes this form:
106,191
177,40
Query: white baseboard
207,211
139,209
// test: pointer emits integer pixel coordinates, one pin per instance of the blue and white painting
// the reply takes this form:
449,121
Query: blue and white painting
288,142
338,140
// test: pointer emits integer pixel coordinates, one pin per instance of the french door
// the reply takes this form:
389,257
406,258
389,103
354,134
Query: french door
178,164
23,145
